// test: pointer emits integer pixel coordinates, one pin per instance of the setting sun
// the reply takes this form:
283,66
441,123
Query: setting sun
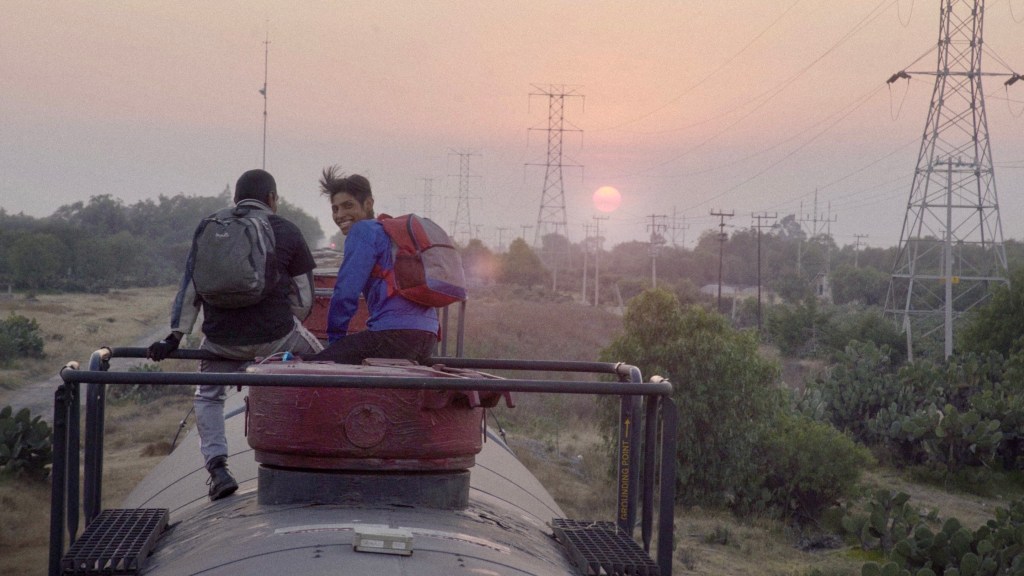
607,199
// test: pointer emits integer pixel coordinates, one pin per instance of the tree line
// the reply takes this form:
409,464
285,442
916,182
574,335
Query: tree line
791,262
105,244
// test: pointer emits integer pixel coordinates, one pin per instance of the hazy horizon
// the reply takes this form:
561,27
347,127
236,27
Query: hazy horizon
684,107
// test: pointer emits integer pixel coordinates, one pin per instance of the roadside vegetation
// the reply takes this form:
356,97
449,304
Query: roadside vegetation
808,447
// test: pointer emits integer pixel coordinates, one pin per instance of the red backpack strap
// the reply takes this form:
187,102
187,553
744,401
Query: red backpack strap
387,221
400,231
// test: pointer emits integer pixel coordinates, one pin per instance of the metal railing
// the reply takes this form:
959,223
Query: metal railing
646,406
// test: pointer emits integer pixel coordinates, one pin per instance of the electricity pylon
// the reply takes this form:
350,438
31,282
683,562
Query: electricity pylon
462,226
951,247
551,219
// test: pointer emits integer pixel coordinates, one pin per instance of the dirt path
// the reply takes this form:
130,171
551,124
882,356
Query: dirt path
72,327
38,396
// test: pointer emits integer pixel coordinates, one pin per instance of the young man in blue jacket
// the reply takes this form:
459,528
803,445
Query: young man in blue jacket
396,327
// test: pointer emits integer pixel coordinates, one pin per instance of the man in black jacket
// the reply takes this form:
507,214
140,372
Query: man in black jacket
239,335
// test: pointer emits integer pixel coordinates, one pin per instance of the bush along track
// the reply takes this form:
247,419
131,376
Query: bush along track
25,444
915,544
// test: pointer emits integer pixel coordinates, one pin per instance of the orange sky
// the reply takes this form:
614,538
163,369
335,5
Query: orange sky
748,105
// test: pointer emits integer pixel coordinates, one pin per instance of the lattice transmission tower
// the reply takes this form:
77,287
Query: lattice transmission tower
951,247
551,218
462,226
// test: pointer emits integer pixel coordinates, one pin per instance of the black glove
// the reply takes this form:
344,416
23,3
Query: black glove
162,349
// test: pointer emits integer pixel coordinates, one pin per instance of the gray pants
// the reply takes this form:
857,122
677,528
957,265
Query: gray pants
209,399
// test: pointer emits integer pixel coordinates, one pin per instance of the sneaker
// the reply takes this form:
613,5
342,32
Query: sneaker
221,482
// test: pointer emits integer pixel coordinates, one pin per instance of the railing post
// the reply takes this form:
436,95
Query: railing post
59,479
650,457
627,476
666,513
95,412
73,459
93,482
460,335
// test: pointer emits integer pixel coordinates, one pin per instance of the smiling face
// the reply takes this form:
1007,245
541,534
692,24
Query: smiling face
346,210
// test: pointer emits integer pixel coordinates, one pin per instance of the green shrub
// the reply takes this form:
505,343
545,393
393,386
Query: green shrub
25,444
854,391
950,439
797,482
890,518
948,548
20,336
739,446
723,390
794,328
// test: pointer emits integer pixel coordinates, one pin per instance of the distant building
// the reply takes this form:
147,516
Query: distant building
738,293
734,292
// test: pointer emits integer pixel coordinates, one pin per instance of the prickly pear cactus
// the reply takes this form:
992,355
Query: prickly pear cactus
25,444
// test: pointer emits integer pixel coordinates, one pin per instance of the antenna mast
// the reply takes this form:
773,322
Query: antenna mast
266,58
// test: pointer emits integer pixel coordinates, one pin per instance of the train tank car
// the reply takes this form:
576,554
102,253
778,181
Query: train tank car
503,530
366,505
384,468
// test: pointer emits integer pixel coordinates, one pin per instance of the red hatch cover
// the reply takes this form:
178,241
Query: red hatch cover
366,429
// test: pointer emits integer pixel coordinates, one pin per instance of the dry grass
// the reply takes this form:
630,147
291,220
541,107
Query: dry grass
24,527
73,326
718,544
972,511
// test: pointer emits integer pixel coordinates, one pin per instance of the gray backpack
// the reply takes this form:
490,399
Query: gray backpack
232,261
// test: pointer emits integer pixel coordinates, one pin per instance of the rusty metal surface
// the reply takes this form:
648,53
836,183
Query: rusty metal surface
360,429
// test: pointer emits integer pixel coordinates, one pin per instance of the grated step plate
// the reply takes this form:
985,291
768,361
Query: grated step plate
599,549
118,541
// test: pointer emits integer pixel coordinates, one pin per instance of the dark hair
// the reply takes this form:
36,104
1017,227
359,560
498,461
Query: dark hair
256,185
333,181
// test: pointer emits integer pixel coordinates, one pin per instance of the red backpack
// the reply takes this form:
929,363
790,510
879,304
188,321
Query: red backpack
428,268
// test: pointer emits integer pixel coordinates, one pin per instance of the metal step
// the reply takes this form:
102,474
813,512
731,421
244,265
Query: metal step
118,541
599,549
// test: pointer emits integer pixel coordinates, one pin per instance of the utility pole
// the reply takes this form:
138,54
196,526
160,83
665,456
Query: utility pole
266,69
525,228
759,226
953,200
597,259
501,238
586,248
656,240
856,249
551,219
721,249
